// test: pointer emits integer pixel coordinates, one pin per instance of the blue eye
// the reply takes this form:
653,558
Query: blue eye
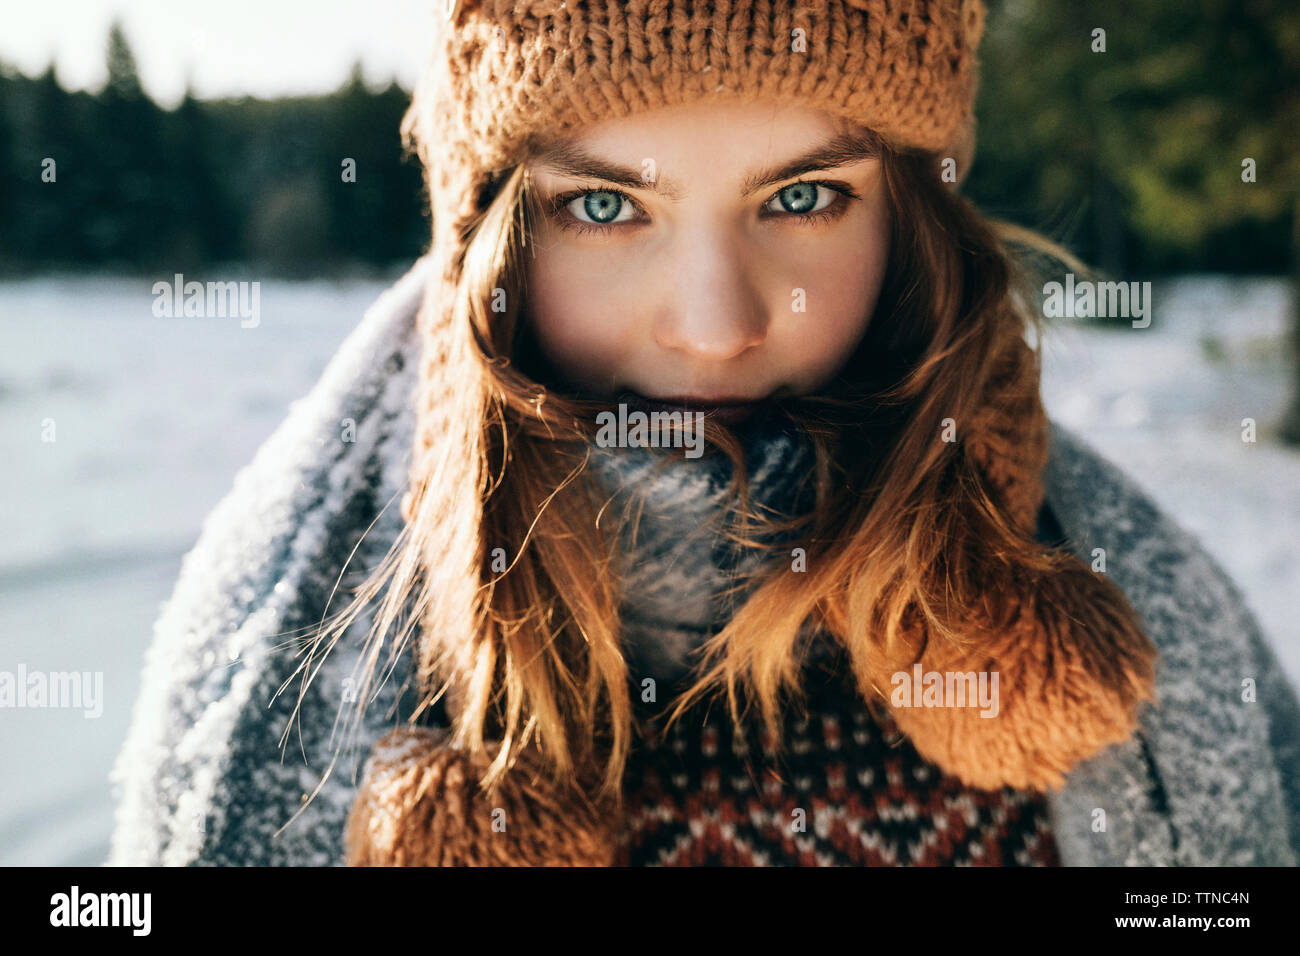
601,207
597,211
802,199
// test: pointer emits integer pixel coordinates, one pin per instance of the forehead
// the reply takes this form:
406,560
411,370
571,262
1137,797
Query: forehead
721,121
712,140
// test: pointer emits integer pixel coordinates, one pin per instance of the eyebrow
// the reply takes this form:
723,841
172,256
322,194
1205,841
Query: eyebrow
570,159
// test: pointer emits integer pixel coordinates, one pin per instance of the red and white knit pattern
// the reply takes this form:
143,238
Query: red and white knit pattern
847,791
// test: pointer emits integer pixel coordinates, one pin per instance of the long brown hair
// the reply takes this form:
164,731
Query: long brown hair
904,524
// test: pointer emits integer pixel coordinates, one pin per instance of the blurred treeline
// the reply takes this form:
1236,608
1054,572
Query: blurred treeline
234,181
1135,155
1132,157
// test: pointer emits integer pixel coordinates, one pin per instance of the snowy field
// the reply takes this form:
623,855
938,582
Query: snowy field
152,418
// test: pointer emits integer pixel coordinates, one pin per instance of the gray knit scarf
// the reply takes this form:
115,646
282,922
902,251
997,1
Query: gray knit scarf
677,567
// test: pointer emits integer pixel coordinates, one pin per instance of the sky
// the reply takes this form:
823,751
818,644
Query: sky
258,47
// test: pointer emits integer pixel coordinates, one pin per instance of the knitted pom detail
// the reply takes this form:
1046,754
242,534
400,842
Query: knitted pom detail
1071,676
419,804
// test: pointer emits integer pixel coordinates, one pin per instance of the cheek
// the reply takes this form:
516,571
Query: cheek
843,285
575,319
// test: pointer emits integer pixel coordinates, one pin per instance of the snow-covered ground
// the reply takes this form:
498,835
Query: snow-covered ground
152,417
1167,403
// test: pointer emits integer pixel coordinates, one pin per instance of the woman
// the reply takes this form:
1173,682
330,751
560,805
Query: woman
739,221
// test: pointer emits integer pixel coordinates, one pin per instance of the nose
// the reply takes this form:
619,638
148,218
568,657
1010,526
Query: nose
715,313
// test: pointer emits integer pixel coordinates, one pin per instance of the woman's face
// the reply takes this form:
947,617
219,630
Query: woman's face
712,252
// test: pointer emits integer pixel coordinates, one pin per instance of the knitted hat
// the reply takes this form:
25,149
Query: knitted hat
505,72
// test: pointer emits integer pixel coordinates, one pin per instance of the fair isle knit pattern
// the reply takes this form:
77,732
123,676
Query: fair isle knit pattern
846,790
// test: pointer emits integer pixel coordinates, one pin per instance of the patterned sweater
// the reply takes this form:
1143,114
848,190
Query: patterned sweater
846,790
204,778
